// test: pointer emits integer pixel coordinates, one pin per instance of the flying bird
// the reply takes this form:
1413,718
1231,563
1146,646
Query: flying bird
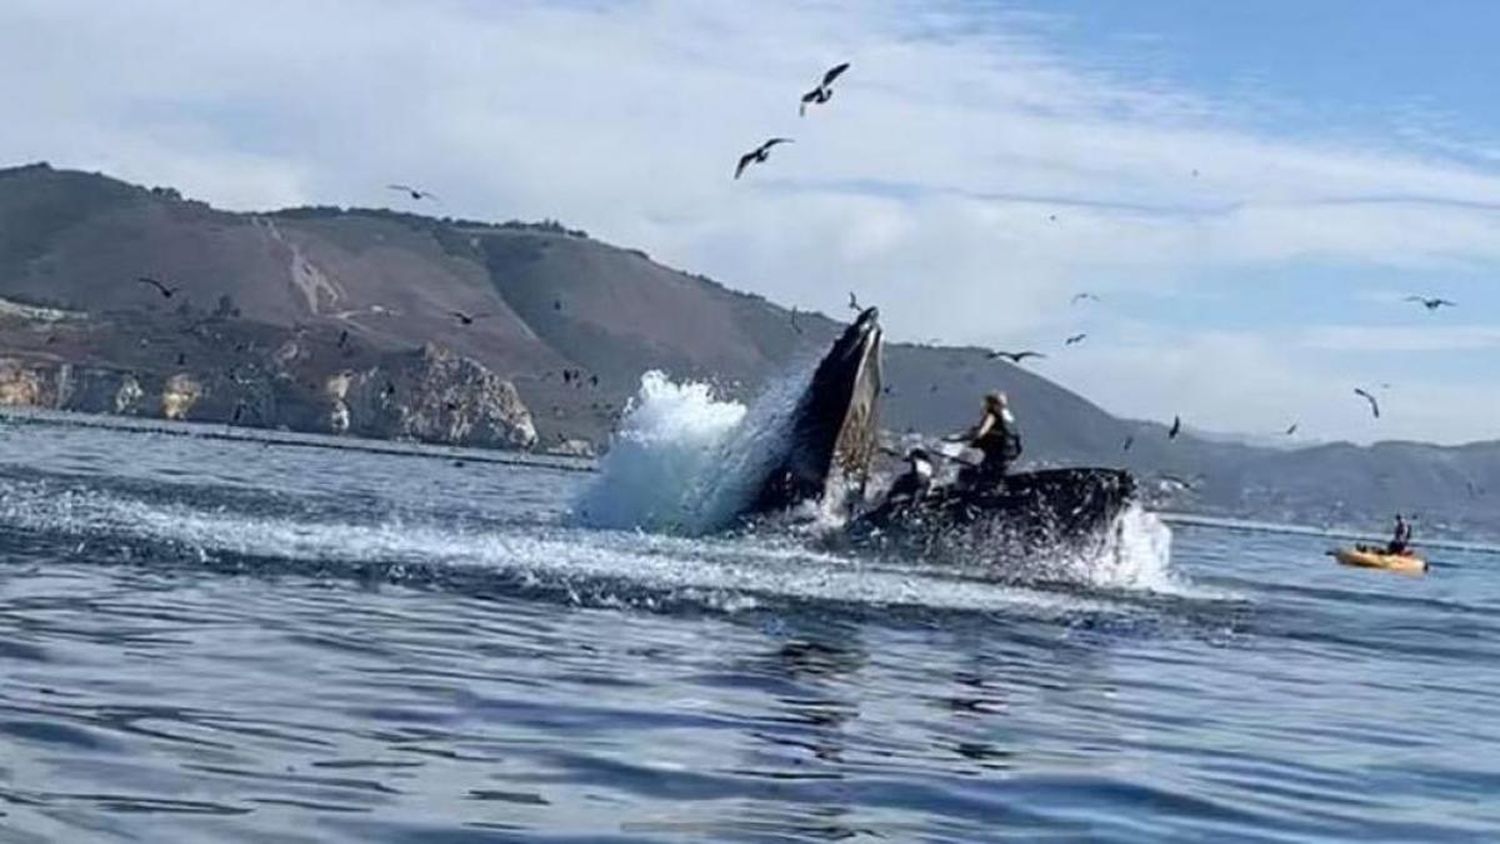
467,319
415,193
1176,428
1013,357
165,291
1074,340
759,155
1374,405
824,92
1082,297
854,303
1291,429
1432,304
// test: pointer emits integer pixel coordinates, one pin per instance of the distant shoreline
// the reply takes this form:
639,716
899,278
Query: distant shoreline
1253,526
294,439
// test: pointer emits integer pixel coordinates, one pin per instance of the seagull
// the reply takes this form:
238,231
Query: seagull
165,291
1176,428
759,155
823,93
1374,405
854,303
1013,357
1081,297
1432,304
1291,429
415,193
467,319
1074,340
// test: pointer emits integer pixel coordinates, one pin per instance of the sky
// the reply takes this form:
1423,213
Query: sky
1251,190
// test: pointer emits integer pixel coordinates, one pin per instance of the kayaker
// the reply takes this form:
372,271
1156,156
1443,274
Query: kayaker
1401,539
996,437
917,481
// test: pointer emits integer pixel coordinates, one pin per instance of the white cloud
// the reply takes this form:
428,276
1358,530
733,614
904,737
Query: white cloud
927,183
1259,383
1400,338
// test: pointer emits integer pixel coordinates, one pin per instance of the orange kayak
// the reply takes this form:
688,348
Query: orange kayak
1368,559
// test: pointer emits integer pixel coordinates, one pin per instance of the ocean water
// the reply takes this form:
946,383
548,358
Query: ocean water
210,640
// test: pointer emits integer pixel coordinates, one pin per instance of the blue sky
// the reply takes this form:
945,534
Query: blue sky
1251,188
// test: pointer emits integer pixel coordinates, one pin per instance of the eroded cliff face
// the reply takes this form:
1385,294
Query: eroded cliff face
433,395
428,395
178,396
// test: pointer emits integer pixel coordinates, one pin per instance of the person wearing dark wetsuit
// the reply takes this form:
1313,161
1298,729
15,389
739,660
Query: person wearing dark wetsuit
917,482
1401,539
996,437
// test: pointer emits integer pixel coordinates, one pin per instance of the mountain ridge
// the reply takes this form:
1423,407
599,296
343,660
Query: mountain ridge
551,303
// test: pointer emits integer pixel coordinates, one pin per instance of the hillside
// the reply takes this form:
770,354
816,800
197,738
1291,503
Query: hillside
357,292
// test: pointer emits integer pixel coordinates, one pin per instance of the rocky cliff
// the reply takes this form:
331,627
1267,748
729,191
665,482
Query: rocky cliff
430,394
326,319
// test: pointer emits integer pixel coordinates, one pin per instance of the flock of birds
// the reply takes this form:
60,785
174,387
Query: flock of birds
820,94
823,92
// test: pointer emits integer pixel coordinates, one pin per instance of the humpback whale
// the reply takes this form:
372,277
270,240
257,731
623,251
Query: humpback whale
1050,509
832,433
831,440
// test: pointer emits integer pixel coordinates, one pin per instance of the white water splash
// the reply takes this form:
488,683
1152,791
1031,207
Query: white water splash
1136,555
685,461
666,441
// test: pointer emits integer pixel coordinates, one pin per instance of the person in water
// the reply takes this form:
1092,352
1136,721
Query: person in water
1401,538
917,482
997,438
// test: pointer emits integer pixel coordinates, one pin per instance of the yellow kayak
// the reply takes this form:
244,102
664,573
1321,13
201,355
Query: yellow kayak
1366,558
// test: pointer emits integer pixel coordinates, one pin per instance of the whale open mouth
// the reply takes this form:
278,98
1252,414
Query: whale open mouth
833,432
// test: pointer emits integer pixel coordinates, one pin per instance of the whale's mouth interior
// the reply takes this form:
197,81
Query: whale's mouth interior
854,446
832,439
